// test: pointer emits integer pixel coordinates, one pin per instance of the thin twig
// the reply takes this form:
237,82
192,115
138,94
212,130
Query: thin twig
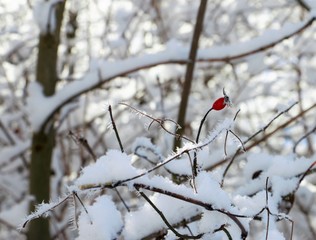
115,129
225,142
161,95
122,150
223,228
308,219
84,143
162,216
193,175
201,124
265,137
159,121
305,173
150,64
195,165
167,160
85,209
152,150
207,206
282,126
303,137
171,158
267,208
122,200
34,215
232,159
12,142
269,123
75,208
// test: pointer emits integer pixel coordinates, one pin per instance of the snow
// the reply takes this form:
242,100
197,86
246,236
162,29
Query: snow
106,220
143,146
256,63
10,152
209,190
44,15
240,195
136,222
211,221
40,107
112,167
250,206
311,4
275,165
15,213
43,210
182,166
172,54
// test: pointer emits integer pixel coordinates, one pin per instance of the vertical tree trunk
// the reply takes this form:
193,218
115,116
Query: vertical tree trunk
43,141
189,72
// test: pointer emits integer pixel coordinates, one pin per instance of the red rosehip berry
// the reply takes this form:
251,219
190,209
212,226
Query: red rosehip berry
219,104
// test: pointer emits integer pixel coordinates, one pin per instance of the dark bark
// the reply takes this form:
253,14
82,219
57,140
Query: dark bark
43,141
189,72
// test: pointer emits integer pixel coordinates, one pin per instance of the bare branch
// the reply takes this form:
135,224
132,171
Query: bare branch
158,61
115,129
303,137
159,121
84,143
189,71
165,219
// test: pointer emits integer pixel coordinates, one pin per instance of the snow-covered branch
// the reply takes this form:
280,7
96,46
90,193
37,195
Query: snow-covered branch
173,54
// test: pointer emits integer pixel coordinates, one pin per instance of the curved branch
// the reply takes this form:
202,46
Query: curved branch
165,219
93,80
207,206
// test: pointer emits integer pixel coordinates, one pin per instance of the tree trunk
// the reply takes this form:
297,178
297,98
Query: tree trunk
43,141
189,72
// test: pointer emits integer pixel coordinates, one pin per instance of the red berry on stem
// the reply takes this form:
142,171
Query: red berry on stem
219,104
